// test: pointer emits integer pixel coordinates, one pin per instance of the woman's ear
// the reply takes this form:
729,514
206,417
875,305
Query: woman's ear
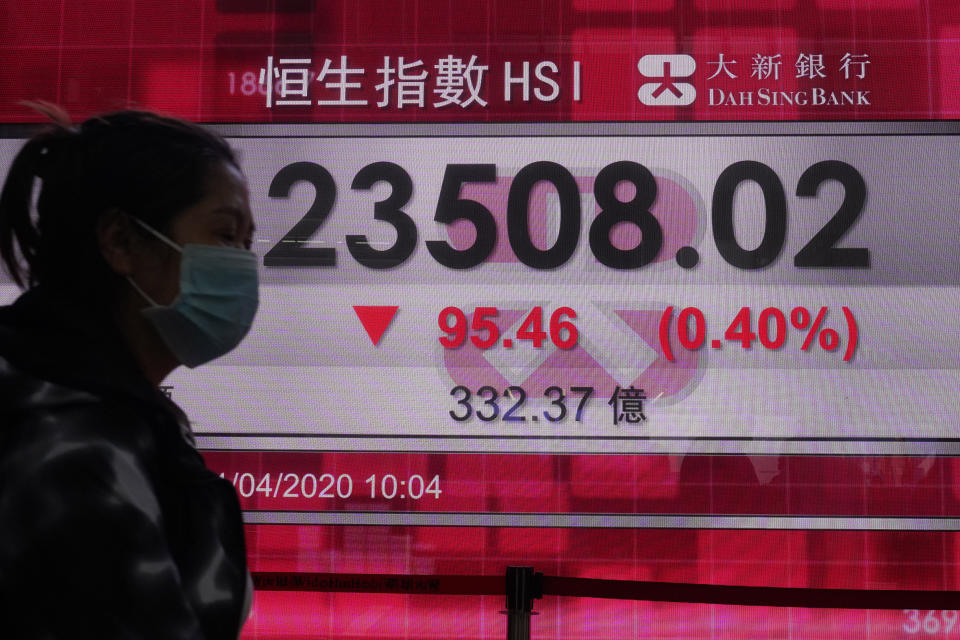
117,241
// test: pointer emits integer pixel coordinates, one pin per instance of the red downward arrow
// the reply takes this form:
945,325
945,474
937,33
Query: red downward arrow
375,320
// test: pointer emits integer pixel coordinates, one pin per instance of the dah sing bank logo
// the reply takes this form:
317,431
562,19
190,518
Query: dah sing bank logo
665,70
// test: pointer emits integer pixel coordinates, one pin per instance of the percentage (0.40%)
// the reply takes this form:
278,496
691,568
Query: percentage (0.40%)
771,330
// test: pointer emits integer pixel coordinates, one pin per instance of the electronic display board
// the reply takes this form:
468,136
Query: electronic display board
655,290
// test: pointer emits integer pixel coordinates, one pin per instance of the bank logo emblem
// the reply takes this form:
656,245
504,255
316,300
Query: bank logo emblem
665,69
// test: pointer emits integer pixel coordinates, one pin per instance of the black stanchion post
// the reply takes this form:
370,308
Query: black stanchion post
523,586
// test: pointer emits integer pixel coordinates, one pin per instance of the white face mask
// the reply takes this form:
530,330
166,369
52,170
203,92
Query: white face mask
217,302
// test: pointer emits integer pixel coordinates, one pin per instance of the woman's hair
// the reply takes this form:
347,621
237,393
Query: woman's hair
140,163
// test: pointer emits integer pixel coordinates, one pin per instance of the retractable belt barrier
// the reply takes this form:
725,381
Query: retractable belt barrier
522,585
380,583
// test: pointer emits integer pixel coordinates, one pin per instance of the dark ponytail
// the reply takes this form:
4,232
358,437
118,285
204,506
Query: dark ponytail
147,165
16,220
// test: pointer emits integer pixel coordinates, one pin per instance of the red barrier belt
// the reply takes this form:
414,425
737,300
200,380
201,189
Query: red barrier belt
615,589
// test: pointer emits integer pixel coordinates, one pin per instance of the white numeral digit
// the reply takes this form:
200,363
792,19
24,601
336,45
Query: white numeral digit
931,623
949,620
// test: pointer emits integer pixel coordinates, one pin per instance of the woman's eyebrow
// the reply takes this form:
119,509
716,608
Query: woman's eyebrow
235,212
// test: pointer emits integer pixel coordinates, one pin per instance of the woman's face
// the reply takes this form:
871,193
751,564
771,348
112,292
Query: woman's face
221,218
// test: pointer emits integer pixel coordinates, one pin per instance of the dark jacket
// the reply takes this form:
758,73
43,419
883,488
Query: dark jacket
111,526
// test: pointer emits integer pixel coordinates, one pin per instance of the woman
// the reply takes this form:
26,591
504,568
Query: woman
135,260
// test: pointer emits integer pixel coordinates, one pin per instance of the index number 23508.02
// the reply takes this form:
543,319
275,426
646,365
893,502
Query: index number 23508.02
819,251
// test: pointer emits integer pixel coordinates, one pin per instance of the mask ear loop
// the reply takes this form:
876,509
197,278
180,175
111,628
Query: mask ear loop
158,235
143,294
173,245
